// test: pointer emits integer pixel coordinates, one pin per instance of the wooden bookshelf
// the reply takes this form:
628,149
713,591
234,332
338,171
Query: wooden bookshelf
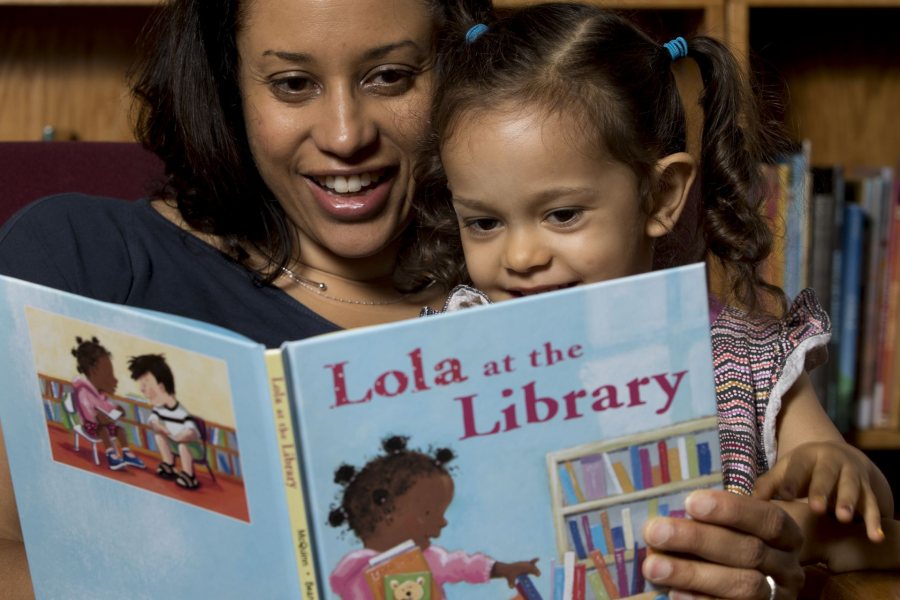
63,65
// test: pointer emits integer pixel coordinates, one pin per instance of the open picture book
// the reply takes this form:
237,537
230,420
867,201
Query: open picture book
560,423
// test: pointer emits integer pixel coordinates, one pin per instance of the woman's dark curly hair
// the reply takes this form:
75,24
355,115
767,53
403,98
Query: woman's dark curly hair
618,86
370,493
188,111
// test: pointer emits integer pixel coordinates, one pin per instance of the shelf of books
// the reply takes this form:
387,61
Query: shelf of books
223,453
837,230
603,492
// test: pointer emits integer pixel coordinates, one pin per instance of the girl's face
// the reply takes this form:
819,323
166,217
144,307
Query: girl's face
335,97
419,513
102,375
537,212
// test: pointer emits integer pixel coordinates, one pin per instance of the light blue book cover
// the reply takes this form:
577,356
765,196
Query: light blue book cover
513,390
94,532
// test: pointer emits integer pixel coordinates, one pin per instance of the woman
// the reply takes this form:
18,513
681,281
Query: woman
288,129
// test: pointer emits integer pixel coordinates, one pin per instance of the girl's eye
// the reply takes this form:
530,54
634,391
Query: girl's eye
390,81
293,87
565,216
482,225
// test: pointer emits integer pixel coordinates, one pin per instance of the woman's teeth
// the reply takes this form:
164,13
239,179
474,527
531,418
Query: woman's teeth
352,184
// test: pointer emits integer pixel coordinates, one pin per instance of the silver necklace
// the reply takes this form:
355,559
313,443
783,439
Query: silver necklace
320,287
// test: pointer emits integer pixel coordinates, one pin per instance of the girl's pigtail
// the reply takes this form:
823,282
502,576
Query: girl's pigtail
733,147
443,456
394,444
337,517
344,475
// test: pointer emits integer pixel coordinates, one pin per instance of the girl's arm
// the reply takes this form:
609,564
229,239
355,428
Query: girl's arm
13,564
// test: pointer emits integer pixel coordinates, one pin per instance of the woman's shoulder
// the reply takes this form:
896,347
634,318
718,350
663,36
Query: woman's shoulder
81,243
59,217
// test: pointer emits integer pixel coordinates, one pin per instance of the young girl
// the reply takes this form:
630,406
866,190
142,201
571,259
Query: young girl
403,495
561,137
89,394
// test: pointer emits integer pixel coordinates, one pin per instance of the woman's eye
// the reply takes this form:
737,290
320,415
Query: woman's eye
565,216
293,86
390,80
482,225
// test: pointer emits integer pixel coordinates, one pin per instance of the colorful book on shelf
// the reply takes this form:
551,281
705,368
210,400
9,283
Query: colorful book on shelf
623,362
822,208
850,294
891,346
872,191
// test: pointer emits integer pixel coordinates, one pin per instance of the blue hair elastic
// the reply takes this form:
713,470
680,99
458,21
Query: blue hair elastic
475,31
677,48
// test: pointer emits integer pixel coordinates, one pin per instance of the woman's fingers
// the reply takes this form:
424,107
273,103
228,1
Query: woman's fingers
738,541
703,580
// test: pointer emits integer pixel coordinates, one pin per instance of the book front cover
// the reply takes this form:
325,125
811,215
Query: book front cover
560,423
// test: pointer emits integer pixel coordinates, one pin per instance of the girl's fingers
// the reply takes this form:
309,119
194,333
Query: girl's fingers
871,515
825,477
847,495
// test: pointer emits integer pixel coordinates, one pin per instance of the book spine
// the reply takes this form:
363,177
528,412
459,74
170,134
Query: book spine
588,537
568,575
599,540
851,276
890,375
577,544
605,576
594,477
607,531
624,479
884,352
596,585
613,487
646,468
579,587
663,452
637,473
704,458
290,468
637,575
693,463
568,486
570,468
526,588
619,557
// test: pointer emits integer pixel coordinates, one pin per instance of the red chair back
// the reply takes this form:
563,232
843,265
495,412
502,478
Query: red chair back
31,170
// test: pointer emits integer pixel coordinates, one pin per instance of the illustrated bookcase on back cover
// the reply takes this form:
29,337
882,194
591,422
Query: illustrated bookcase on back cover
610,369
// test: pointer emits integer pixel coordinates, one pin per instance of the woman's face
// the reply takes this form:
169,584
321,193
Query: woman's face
335,97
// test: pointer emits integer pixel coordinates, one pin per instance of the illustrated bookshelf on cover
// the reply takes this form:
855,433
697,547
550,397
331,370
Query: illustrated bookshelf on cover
223,457
603,493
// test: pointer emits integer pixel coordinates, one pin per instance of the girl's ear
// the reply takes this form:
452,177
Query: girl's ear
673,177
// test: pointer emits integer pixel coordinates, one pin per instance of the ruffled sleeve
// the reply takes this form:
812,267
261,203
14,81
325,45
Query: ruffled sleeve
756,361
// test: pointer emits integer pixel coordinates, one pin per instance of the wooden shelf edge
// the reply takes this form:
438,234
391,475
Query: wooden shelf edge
876,439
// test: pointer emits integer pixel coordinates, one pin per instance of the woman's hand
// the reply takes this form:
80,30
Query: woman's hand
828,474
727,551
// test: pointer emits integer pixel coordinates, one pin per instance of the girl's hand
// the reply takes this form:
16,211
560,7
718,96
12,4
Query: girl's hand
510,571
828,474
727,550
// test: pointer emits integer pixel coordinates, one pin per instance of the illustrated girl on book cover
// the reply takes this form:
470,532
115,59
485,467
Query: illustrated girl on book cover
403,495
